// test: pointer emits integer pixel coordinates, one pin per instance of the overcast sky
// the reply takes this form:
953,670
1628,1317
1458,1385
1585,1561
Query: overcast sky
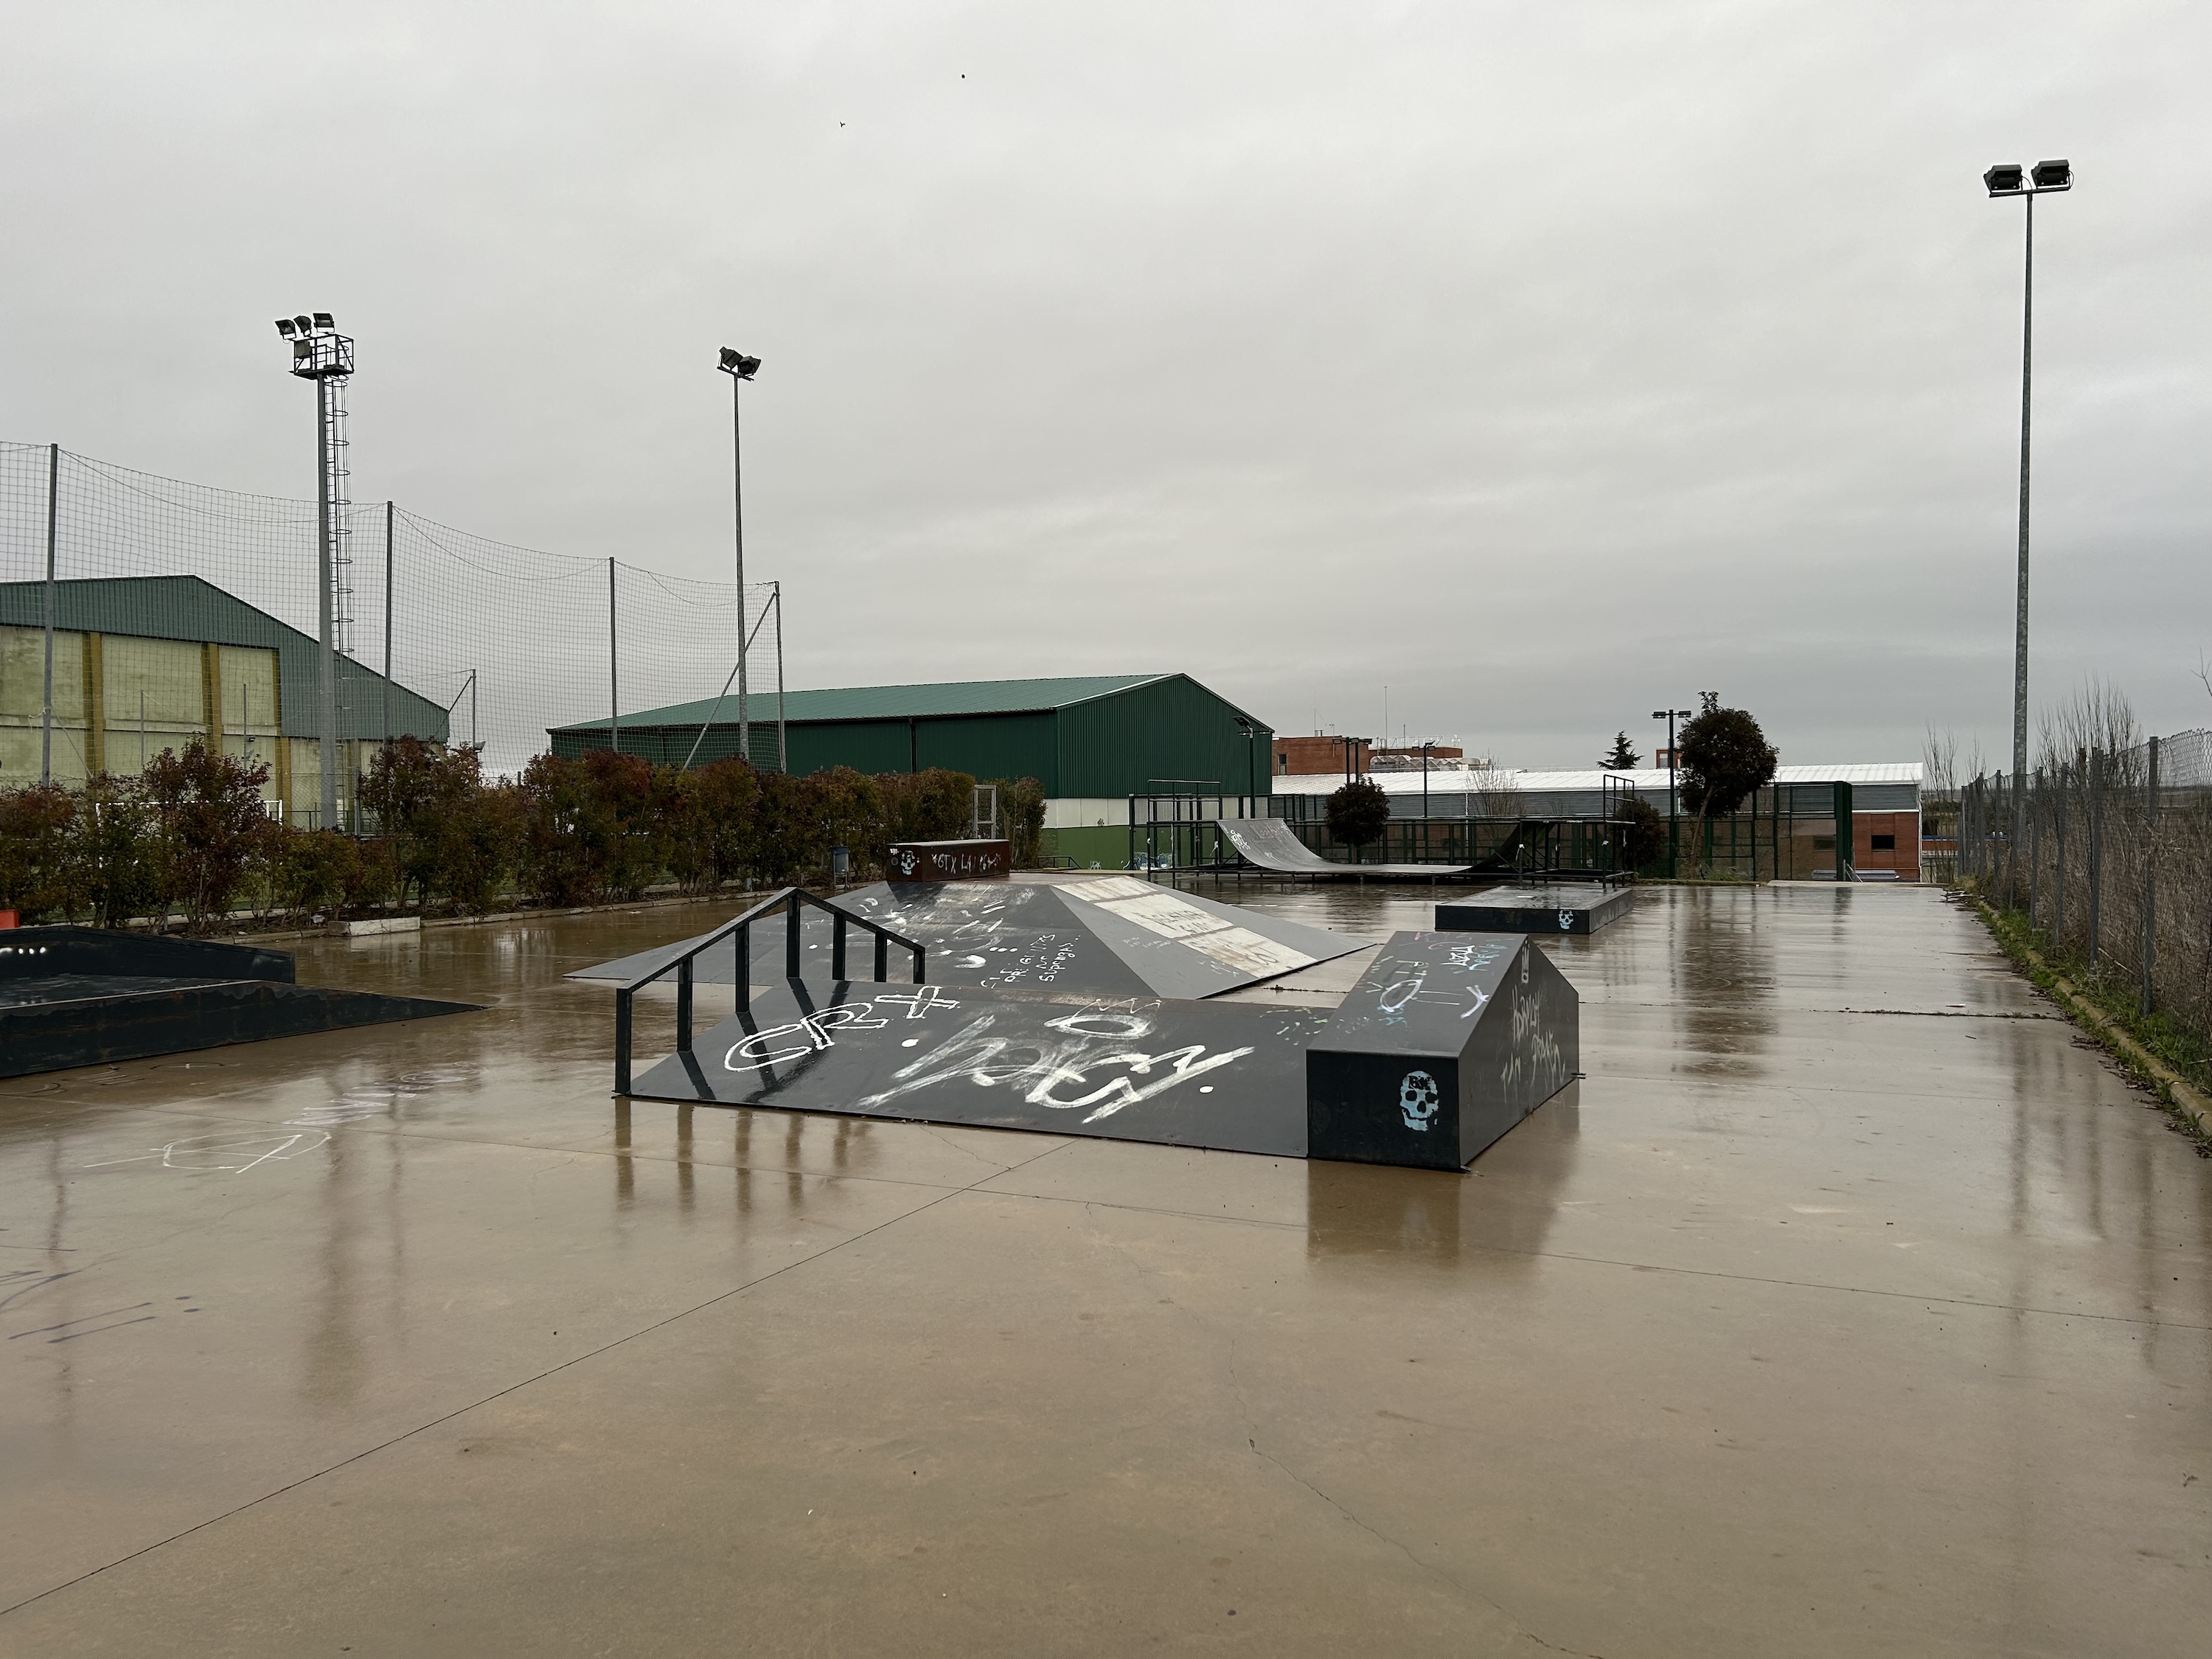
1545,362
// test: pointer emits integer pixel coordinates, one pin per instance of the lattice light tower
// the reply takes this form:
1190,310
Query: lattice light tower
321,354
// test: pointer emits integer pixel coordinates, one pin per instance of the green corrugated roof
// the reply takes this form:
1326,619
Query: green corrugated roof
884,703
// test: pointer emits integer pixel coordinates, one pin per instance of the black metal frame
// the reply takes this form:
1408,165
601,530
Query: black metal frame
790,901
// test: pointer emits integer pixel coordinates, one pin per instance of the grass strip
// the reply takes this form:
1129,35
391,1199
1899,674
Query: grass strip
2166,1060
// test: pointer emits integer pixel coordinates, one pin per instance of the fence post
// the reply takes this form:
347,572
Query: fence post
614,685
2058,864
2096,846
2150,885
2034,843
387,637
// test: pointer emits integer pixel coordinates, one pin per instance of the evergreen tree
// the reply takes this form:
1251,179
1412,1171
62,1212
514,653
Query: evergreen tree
1623,757
1725,759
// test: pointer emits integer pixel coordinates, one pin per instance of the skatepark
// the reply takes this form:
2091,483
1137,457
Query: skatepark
1846,1303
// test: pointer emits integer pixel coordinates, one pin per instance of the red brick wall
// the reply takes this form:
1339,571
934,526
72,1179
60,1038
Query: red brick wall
1905,859
1312,756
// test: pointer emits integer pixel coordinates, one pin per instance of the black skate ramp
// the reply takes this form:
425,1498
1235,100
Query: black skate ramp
1441,1046
88,996
1268,844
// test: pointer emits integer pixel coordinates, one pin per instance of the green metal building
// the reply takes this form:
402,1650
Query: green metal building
1093,741
147,663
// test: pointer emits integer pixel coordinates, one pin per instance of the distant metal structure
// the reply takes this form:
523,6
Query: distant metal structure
321,354
774,607
2007,181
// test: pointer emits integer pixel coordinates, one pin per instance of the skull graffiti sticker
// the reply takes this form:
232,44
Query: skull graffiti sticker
1417,1098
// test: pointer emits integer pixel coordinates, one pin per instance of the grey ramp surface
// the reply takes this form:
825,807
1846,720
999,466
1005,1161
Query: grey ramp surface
1268,843
1230,1076
1002,935
1106,935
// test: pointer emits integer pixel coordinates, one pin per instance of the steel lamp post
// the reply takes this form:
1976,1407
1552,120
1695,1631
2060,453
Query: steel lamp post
2006,181
1673,830
739,367
321,354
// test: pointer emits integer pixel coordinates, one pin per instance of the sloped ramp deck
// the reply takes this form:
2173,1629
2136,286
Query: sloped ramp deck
85,996
1269,844
1104,935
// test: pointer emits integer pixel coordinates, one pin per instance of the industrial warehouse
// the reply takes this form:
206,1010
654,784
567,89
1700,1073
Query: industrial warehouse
1093,741
142,664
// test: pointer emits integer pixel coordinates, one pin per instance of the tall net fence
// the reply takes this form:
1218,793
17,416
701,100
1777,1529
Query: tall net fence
512,640
2110,854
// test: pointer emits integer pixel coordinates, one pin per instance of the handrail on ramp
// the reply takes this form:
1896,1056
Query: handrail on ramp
791,901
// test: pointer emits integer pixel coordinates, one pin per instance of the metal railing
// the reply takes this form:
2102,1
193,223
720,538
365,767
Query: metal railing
790,900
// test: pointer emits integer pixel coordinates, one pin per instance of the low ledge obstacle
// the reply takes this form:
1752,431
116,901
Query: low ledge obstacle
1444,1044
1566,907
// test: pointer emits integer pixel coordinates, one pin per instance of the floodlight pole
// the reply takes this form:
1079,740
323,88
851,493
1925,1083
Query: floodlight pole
321,354
327,716
739,367
2020,608
1673,818
738,521
2003,181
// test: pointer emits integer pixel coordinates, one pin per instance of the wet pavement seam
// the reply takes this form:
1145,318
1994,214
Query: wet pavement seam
310,1478
421,1138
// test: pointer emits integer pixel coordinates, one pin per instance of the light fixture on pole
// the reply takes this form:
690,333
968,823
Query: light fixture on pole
739,367
1251,755
2008,180
321,354
1674,832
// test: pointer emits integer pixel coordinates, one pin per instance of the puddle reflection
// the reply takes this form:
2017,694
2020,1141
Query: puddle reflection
1506,1202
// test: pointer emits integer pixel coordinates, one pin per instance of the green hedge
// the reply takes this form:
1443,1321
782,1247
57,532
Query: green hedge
191,836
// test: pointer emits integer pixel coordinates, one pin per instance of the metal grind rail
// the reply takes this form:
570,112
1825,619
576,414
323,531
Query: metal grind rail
791,901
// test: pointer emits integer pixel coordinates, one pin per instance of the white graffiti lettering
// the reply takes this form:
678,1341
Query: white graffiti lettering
1118,1092
1395,997
916,1002
815,1027
1094,1040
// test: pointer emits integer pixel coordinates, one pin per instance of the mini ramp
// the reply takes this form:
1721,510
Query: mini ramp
1443,1044
1269,844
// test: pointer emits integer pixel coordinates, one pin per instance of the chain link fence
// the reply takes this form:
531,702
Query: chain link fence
511,640
2109,855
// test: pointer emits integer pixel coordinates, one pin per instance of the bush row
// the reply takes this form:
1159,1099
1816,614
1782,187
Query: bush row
190,835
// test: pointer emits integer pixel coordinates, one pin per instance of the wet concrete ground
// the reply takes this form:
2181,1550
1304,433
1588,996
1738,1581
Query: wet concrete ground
1851,1306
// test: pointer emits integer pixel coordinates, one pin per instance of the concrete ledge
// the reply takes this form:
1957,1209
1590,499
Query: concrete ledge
379,925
